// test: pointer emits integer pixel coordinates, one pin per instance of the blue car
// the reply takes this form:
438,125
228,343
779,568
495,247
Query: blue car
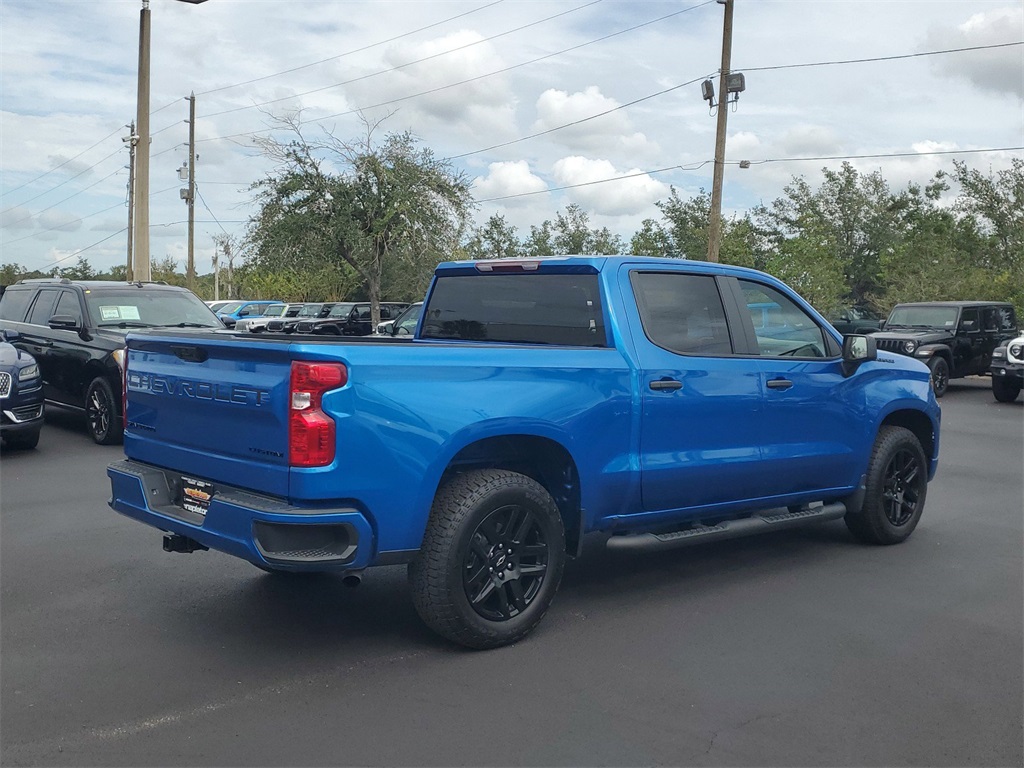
234,311
21,395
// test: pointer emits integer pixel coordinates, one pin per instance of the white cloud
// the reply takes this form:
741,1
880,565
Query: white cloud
999,70
610,133
504,179
631,194
61,221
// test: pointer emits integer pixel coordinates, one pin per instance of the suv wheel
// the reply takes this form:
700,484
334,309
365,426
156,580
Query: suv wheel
1005,390
897,483
940,375
101,413
491,559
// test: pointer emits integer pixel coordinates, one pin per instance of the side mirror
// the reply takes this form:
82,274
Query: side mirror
64,323
858,349
10,335
387,329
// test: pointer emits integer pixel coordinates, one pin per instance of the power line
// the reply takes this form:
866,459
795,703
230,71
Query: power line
406,64
350,53
82,250
66,181
881,58
83,218
70,159
478,77
752,162
748,69
513,66
76,194
203,201
581,120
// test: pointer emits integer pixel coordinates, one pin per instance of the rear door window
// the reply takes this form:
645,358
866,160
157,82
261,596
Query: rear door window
42,308
682,313
532,308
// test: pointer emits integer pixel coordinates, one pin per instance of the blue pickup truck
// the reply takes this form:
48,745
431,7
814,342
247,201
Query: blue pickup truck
538,401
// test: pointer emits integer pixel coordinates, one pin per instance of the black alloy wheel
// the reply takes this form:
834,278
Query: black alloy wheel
903,486
506,563
895,491
940,375
101,415
491,558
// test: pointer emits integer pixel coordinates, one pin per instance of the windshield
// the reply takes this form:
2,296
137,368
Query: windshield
406,322
230,308
922,317
274,310
143,307
340,310
310,310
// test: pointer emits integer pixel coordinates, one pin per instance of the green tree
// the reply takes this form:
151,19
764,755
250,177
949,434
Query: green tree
496,239
82,270
650,240
378,210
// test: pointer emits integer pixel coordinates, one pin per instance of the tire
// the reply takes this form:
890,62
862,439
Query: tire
1005,390
940,375
897,485
101,416
491,560
25,440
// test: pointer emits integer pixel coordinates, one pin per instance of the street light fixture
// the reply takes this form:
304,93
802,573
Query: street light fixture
140,233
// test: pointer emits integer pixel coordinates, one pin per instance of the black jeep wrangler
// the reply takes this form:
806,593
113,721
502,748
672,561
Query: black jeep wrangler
953,338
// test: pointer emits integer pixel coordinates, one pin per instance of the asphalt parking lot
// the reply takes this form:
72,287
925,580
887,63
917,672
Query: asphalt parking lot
799,648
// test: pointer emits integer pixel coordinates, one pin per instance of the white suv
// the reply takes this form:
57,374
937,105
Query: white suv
1008,370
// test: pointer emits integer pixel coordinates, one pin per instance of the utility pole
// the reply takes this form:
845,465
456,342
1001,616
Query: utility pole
132,140
715,222
141,231
190,270
231,265
216,274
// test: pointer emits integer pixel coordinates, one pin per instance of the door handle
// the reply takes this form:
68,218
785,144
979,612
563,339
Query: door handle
779,384
666,385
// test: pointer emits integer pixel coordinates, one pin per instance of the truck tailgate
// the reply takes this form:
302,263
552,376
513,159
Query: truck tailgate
210,407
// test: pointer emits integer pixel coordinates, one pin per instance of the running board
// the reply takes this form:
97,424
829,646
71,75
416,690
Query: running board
727,529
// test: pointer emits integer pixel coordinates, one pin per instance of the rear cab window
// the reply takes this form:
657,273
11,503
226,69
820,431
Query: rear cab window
522,308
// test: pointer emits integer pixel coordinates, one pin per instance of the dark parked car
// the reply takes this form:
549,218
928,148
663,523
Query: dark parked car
953,338
350,319
309,311
21,395
855,320
1008,370
76,331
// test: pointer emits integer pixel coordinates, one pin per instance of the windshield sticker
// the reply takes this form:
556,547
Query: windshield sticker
123,312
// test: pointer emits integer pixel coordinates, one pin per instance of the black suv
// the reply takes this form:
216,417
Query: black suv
953,338
350,319
76,331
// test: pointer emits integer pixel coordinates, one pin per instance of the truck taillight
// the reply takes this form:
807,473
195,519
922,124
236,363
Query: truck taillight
311,433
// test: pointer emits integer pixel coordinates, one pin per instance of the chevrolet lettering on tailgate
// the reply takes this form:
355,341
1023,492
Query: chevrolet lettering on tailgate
197,390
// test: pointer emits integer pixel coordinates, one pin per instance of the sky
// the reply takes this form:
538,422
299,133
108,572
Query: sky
541,104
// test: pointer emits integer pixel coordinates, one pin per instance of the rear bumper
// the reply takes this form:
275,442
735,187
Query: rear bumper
261,529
